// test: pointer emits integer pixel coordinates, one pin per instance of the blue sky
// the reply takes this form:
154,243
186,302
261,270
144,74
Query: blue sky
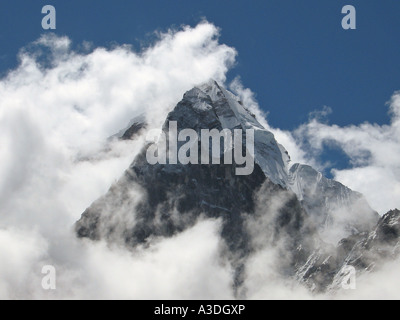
293,54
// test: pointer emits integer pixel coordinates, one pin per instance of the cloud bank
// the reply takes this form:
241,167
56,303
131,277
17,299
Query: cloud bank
57,109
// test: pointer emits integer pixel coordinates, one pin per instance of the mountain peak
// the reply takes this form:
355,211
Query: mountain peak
298,205
211,106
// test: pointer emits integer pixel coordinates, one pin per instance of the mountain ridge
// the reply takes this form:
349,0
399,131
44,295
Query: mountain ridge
162,200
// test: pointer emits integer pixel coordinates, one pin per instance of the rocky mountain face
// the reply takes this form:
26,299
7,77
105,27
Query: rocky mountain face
135,126
292,209
367,251
337,210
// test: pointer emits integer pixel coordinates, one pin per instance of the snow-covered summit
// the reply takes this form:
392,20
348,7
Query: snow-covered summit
330,204
256,211
335,208
226,109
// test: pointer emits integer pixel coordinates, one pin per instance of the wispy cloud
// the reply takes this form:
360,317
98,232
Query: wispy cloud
373,150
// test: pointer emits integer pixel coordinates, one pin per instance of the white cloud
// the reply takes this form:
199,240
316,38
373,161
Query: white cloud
19,255
51,117
185,267
374,151
382,284
264,281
